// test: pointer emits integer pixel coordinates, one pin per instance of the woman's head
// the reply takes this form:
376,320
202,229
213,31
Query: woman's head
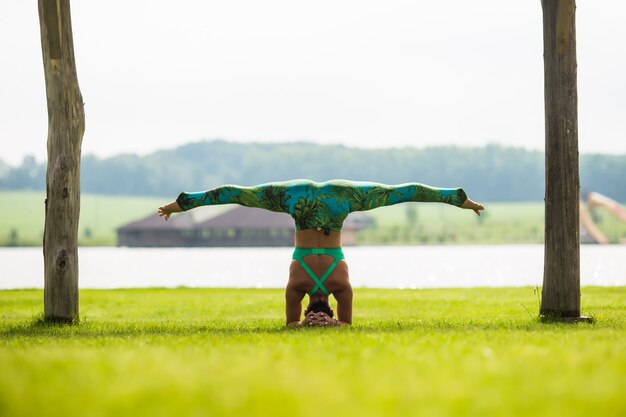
317,304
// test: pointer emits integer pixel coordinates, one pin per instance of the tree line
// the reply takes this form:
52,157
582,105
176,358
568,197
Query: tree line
489,173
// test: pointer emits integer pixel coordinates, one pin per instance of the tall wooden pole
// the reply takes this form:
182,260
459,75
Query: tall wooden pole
66,125
561,278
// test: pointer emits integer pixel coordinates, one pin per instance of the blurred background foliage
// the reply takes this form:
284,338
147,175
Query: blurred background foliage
490,173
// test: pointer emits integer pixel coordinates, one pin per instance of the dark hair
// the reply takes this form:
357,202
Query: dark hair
319,306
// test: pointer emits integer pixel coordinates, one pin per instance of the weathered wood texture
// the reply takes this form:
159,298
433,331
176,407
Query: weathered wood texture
561,279
66,125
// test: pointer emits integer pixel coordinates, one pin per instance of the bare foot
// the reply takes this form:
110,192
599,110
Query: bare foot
167,210
472,205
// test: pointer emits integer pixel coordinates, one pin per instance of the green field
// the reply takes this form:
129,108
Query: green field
439,223
221,352
22,222
23,219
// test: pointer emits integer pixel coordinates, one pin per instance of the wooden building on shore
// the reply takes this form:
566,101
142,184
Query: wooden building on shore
225,227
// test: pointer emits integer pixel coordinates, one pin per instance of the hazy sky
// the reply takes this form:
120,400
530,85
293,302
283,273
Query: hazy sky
156,74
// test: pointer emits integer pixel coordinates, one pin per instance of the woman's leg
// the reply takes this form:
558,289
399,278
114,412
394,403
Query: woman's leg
375,195
341,195
367,196
270,196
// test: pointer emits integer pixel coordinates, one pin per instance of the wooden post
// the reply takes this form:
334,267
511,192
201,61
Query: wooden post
561,278
66,125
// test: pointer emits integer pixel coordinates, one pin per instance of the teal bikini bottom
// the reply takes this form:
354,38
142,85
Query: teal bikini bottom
335,253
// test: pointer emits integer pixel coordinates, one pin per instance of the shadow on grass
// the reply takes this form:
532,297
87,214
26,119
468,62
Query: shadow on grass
553,318
90,329
38,327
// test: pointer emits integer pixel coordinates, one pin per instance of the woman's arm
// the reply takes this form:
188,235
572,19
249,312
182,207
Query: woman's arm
293,306
344,305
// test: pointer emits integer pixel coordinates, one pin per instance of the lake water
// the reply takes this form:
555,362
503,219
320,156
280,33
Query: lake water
374,267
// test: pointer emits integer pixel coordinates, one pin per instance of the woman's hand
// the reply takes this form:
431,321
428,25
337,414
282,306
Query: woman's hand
472,205
167,210
320,319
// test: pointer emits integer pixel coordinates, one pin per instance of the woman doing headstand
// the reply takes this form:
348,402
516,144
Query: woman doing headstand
318,267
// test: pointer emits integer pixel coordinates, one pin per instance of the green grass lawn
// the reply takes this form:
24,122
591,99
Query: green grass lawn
222,352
